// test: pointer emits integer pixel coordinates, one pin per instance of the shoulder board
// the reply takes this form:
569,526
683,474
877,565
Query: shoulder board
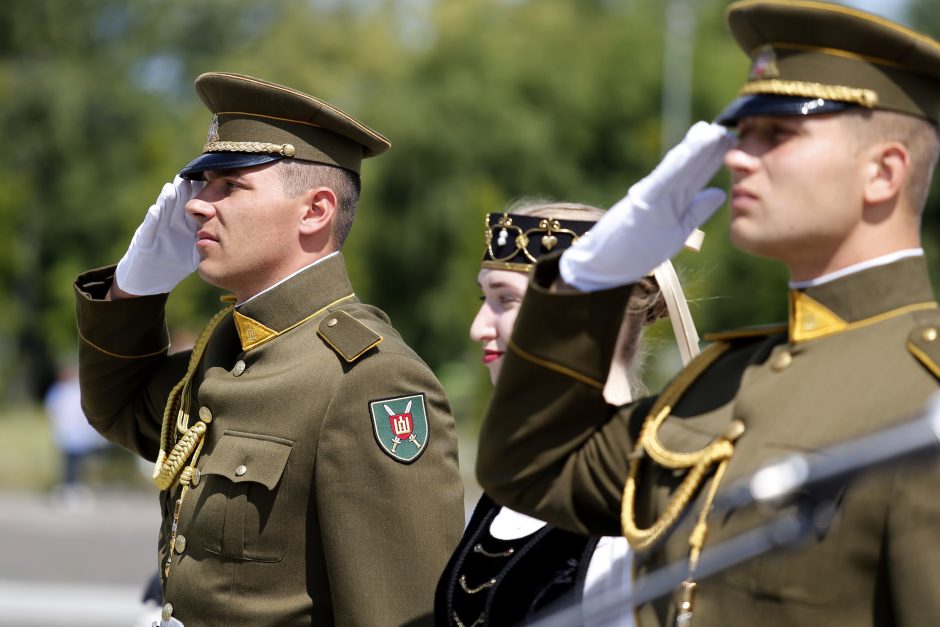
924,341
346,335
746,333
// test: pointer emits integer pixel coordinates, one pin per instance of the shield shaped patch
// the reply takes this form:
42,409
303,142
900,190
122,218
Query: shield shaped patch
400,426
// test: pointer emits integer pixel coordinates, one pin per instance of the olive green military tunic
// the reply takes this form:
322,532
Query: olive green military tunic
858,356
297,512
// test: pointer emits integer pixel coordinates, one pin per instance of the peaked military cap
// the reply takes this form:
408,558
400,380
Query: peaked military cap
256,122
815,57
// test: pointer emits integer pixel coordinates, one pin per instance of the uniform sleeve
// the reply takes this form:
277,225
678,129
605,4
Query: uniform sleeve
124,370
388,527
913,544
550,446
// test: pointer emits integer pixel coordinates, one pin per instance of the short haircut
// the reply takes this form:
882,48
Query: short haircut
919,136
298,176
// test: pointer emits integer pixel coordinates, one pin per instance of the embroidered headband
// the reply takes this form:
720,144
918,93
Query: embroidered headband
515,242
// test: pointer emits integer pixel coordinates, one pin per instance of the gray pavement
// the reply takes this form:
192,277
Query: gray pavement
77,559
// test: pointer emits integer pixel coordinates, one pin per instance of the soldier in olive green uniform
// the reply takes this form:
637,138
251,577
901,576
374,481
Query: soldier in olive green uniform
306,456
837,140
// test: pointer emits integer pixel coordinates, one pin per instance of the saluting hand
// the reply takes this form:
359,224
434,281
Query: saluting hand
651,223
163,250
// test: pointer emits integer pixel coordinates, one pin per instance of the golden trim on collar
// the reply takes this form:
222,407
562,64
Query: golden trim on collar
865,97
810,320
257,334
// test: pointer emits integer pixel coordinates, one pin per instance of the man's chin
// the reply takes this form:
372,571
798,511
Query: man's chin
741,238
204,270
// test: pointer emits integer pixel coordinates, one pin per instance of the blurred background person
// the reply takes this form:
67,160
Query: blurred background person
509,566
76,440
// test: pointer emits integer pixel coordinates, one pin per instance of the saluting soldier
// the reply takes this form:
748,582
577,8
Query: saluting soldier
836,143
305,454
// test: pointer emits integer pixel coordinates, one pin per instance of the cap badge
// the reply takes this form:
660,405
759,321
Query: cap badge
765,64
213,135
400,426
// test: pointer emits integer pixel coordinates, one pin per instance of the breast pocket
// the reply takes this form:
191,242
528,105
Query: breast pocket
244,507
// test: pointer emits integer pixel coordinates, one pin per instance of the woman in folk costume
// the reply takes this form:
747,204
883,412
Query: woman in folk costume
508,566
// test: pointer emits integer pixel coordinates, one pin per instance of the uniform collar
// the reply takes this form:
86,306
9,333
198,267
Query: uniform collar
881,260
860,298
290,303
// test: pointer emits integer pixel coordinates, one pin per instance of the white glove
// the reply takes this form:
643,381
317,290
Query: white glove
650,224
163,250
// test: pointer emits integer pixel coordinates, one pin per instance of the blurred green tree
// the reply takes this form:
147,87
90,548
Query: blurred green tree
484,101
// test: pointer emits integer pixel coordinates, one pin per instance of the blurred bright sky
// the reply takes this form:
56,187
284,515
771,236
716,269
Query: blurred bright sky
893,9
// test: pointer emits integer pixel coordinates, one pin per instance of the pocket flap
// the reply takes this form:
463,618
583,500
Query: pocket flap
241,457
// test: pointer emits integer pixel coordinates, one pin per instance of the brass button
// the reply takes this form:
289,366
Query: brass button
929,334
735,430
332,322
196,477
239,368
180,545
782,361
167,612
205,415
241,470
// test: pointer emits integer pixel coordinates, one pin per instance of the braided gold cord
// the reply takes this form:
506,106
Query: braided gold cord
864,97
662,455
698,463
167,466
286,150
186,480
700,531
641,539
181,452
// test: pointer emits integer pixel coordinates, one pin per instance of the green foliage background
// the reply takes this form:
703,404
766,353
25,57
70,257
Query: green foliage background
484,101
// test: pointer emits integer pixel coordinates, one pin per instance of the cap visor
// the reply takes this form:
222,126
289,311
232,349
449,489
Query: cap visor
224,161
770,104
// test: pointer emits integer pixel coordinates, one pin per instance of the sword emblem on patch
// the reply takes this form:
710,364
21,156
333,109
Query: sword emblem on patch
400,426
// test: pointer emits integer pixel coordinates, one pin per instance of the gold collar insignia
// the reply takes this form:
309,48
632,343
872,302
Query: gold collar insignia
810,319
251,332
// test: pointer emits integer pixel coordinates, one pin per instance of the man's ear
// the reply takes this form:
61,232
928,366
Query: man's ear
320,207
886,172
